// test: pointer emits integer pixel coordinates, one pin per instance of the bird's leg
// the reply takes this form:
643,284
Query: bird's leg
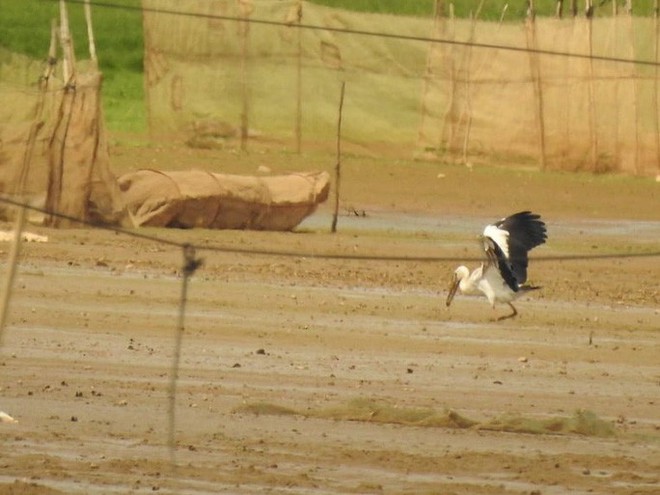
506,317
494,318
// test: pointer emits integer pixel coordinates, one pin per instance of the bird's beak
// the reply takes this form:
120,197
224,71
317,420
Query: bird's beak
453,287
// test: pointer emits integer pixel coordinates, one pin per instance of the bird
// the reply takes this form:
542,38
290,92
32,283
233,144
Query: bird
501,278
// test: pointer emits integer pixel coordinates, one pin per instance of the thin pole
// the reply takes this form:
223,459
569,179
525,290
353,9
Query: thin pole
21,215
634,80
12,262
69,62
593,132
467,111
535,69
299,80
617,85
245,8
438,13
338,166
656,84
190,264
90,33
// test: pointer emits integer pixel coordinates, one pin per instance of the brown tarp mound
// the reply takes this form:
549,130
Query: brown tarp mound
195,198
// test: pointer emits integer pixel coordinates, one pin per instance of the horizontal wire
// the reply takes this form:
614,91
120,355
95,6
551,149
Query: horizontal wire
299,254
82,221
360,32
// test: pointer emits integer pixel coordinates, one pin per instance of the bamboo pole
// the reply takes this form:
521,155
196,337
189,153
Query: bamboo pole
338,165
490,58
438,14
617,86
634,79
298,129
12,262
90,34
467,111
245,7
449,124
656,85
569,75
535,69
69,62
19,223
589,8
64,116
593,133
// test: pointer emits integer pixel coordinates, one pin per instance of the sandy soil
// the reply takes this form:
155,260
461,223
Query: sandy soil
308,375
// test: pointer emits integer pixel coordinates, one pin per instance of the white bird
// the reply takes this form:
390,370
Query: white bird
502,277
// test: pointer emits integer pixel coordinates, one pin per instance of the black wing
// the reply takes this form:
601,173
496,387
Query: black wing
525,230
497,258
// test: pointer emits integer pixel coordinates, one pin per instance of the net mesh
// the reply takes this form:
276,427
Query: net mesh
210,74
53,149
211,78
570,113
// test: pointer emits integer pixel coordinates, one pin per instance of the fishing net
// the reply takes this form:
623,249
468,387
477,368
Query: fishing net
565,112
213,78
53,148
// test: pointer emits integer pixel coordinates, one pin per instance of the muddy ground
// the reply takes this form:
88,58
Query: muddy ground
301,374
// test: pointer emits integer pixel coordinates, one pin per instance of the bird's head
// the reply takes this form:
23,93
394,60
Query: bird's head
459,274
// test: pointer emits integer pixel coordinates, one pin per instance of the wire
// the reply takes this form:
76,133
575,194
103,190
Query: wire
298,254
491,46
112,228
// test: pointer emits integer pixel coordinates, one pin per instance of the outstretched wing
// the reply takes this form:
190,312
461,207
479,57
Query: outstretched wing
497,261
508,241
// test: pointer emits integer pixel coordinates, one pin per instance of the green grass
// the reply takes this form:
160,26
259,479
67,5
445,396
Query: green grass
25,28
490,10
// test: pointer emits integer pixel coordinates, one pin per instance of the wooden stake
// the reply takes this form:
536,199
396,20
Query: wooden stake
69,62
90,34
617,85
634,79
37,124
466,114
656,84
593,133
244,27
535,68
338,166
12,262
438,15
299,81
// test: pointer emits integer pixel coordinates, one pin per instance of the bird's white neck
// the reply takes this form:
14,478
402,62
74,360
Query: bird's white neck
469,281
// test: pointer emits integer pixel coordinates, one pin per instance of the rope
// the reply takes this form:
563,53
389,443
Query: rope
320,255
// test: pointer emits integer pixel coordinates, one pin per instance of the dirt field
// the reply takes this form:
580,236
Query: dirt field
309,375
